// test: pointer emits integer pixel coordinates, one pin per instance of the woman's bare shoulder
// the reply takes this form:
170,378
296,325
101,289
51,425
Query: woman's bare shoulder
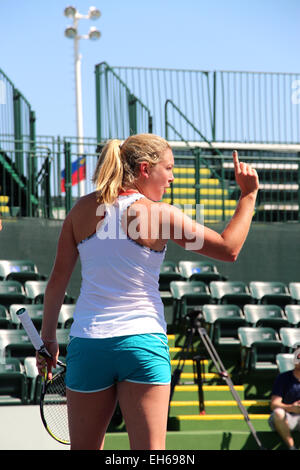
84,202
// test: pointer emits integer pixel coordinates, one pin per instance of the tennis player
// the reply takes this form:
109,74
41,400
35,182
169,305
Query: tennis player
118,349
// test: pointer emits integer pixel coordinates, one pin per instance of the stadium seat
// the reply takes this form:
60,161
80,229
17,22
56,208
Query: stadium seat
33,380
188,296
63,338
168,273
16,266
168,266
35,312
265,315
285,362
294,288
270,292
12,292
20,270
15,343
35,291
230,292
7,287
65,318
293,314
13,381
204,271
259,347
222,322
5,320
290,338
26,276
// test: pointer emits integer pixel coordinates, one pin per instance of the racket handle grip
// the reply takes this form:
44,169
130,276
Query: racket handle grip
32,332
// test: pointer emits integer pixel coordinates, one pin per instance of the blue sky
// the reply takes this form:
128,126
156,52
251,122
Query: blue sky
244,35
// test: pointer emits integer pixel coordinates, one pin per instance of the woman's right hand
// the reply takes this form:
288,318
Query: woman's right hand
45,365
245,176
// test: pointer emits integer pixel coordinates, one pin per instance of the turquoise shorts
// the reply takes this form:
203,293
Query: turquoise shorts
96,364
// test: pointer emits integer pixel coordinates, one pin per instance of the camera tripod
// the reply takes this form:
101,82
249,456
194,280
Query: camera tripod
195,326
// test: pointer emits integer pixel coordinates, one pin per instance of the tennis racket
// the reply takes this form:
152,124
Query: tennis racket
53,402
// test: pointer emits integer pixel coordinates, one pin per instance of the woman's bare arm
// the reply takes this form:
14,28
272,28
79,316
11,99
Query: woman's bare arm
227,245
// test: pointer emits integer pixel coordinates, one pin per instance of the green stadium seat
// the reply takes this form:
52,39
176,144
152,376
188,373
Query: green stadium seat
35,291
290,338
265,315
16,266
204,271
35,312
168,266
7,287
5,320
63,338
230,292
33,379
12,292
13,380
293,314
272,292
285,362
26,276
168,273
259,348
188,296
15,343
65,318
222,323
294,288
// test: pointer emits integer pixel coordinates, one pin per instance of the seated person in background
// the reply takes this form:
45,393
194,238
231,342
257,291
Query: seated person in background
285,403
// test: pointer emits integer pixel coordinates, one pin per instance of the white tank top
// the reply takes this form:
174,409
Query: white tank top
119,292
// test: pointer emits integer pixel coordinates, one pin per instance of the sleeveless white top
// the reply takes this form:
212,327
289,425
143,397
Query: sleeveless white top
119,292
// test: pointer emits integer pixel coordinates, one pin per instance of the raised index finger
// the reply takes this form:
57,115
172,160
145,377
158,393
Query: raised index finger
236,161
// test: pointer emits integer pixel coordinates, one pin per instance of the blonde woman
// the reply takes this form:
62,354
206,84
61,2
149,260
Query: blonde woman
118,349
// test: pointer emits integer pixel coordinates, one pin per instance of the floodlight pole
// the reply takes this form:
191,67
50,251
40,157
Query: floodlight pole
78,91
71,12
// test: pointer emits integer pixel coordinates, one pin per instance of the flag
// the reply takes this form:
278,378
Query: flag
78,173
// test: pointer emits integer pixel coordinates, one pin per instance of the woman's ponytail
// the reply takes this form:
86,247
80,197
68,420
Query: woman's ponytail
108,175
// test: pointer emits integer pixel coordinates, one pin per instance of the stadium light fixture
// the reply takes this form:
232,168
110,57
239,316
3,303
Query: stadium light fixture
94,13
94,34
70,12
71,32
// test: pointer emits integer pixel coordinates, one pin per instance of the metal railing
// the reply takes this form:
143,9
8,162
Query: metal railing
17,119
120,112
57,175
225,106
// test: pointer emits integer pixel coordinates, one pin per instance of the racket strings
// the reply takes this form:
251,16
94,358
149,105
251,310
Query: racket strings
55,408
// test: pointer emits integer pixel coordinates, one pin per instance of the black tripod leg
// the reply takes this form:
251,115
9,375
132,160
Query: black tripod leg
224,374
177,372
197,360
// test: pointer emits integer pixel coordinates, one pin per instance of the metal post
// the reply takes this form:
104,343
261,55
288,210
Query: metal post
132,105
18,131
68,176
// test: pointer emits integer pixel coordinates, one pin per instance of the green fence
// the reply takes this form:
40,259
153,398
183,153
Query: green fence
17,119
204,180
119,111
224,106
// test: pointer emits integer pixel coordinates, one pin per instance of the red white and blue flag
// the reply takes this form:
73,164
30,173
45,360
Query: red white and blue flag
78,173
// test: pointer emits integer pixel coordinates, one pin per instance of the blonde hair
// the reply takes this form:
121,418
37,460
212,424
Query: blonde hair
119,163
